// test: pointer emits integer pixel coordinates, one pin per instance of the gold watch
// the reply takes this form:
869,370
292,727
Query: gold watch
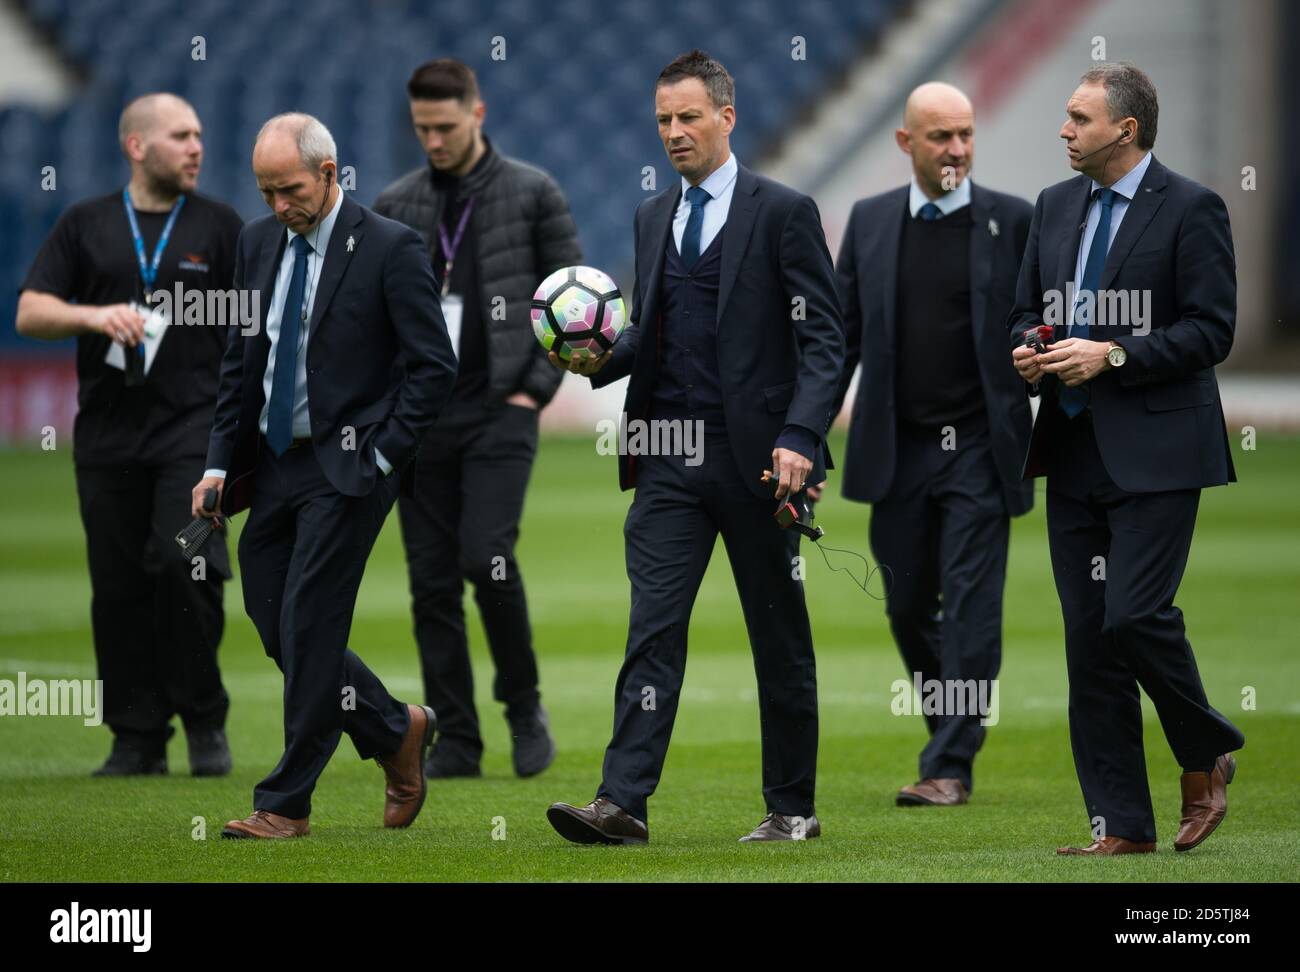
1116,355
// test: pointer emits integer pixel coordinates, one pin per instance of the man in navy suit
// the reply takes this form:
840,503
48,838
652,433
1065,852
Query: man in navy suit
318,412
737,334
1133,266
940,423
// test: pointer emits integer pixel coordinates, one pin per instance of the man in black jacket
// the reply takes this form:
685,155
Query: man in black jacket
927,276
1129,432
496,227
737,332
141,431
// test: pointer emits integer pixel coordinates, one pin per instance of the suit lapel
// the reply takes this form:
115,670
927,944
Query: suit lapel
1072,233
344,239
884,260
268,266
735,237
984,217
1148,198
659,225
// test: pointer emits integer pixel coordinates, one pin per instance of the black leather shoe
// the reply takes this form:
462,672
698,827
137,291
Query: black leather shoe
209,752
530,734
599,822
448,761
132,759
780,826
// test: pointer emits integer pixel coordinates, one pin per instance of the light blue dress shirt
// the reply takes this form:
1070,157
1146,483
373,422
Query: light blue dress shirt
318,238
948,203
1125,189
719,185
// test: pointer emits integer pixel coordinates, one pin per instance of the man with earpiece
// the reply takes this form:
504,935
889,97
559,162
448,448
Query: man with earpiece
319,413
1132,265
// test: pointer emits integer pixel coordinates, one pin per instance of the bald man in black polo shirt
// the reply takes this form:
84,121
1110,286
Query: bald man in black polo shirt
142,430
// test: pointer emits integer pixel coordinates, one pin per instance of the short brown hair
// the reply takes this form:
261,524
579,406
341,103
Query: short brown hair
1129,94
698,64
441,79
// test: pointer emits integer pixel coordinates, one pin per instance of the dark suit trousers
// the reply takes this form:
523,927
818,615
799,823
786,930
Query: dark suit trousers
156,626
462,524
1124,631
670,531
303,552
943,531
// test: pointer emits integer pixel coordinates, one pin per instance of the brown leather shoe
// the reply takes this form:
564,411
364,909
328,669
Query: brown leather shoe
599,822
780,826
266,825
940,792
1108,847
404,769
1205,802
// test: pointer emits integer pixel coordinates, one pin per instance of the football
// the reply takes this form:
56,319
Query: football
578,311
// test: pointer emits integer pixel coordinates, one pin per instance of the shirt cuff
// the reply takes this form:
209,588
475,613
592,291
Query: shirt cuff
798,439
208,473
383,463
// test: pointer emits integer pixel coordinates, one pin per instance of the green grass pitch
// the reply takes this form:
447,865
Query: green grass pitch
1239,596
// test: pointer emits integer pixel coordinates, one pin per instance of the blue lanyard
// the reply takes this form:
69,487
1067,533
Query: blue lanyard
149,270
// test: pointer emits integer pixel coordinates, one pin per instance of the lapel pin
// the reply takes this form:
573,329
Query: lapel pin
351,243
993,227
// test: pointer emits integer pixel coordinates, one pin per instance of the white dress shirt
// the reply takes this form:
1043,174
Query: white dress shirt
318,239
1125,189
948,203
719,185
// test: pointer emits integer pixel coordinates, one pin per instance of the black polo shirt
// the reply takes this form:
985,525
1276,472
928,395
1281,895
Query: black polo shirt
89,258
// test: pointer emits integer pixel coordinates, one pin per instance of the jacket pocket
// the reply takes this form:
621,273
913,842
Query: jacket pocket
1176,394
779,396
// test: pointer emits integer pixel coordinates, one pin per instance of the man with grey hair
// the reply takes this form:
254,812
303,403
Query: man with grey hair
319,412
144,406
1129,431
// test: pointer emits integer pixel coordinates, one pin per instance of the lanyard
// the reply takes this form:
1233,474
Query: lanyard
149,271
449,247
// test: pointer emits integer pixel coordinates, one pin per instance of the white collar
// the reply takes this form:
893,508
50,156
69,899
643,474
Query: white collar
948,203
718,179
1127,185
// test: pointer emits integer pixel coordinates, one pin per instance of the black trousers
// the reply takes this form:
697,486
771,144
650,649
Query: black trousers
674,521
302,554
157,620
943,532
462,524
1123,631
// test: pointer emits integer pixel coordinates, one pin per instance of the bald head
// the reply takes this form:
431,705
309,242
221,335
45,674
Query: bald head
144,116
295,162
161,138
939,134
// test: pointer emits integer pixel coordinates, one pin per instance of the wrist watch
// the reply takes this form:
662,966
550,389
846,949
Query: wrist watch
1116,355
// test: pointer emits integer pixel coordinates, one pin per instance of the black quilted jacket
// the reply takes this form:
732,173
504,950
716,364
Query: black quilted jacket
524,232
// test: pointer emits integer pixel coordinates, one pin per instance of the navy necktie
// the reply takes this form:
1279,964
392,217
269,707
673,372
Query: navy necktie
1074,400
279,419
930,212
697,197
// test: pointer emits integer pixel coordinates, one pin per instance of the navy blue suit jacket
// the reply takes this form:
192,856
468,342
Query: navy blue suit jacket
1158,419
379,360
779,359
868,276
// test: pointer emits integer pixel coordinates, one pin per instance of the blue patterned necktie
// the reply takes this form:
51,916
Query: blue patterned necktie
279,419
697,197
1075,400
930,212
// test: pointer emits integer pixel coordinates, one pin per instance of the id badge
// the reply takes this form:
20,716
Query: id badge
453,308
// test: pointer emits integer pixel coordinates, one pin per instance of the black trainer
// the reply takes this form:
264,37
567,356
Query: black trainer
209,752
533,747
130,758
447,761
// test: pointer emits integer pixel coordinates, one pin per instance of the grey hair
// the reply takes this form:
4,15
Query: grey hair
315,143
1129,93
